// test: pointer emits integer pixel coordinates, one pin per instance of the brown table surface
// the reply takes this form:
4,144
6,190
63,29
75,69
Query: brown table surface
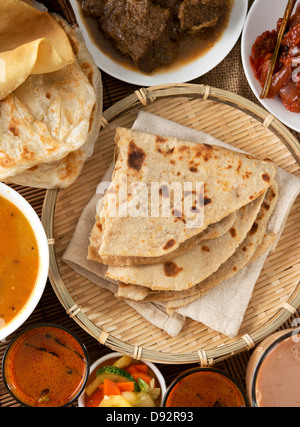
228,75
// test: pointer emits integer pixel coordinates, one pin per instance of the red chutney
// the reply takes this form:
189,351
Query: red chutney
205,389
45,367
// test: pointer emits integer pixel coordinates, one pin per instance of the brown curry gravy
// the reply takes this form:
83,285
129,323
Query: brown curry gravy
191,46
46,366
205,389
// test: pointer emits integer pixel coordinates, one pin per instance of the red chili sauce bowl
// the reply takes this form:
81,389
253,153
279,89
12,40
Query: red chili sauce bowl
45,366
204,387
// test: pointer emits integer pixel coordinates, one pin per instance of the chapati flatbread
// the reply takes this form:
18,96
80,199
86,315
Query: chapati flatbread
191,268
257,242
213,231
230,180
172,304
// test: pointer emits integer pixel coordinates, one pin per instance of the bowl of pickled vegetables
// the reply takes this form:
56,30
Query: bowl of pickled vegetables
118,380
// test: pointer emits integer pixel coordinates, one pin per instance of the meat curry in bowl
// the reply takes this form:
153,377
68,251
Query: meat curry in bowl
24,262
155,35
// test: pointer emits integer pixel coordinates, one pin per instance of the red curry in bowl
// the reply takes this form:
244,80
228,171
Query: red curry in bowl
45,366
204,387
286,78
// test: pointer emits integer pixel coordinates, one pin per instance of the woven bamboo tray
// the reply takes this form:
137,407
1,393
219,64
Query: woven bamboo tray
276,297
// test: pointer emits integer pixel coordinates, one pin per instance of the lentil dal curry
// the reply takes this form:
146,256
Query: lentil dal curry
19,261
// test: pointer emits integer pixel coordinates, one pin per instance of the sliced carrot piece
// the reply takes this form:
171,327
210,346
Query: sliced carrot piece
141,367
110,388
131,370
144,377
95,399
128,386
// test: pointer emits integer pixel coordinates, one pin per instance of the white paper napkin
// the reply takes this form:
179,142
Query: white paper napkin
76,257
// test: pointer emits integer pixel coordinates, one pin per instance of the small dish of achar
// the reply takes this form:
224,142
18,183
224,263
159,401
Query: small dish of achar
204,388
118,380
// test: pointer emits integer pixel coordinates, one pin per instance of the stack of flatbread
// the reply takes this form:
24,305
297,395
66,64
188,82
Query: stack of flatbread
180,217
50,98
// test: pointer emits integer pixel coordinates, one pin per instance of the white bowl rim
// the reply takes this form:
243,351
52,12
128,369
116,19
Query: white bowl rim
273,106
108,356
21,203
181,74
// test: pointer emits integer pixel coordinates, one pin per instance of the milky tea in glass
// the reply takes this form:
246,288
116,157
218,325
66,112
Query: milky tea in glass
273,372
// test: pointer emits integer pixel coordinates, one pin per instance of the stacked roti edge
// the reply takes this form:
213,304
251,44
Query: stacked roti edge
164,259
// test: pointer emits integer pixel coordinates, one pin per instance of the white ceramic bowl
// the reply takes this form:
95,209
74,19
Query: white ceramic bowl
154,369
190,71
16,199
263,16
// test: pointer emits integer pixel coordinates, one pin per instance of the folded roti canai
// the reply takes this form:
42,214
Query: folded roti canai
50,123
31,42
